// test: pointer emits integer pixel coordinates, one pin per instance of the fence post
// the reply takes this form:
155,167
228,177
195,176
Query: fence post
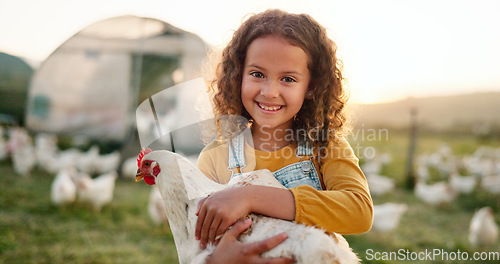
410,171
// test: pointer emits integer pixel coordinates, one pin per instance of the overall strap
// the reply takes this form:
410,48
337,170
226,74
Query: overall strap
305,149
237,154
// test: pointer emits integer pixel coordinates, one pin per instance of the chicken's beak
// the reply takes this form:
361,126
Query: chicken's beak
138,175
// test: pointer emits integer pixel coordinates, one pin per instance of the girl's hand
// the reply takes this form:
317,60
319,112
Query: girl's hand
230,250
217,212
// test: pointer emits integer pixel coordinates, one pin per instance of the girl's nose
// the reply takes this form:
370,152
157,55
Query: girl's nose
270,89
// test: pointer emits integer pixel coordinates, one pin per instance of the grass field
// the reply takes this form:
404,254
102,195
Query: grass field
422,227
34,231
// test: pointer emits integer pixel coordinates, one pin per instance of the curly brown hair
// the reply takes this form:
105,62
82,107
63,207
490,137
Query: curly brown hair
322,118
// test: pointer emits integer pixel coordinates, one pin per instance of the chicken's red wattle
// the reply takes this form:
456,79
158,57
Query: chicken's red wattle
149,180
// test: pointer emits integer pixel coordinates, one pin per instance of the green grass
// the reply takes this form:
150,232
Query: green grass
34,231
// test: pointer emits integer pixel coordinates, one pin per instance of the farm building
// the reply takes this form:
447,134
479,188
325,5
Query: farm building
15,75
92,84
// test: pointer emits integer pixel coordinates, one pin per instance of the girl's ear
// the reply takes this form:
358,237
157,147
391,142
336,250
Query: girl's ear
309,95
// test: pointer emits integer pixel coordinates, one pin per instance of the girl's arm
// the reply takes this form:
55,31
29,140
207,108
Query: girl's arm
220,210
341,211
346,207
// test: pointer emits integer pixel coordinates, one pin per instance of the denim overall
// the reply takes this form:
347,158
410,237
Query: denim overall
293,175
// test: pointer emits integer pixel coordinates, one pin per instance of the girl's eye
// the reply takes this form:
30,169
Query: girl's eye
288,79
257,74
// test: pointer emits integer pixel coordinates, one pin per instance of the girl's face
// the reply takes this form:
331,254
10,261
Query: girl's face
275,81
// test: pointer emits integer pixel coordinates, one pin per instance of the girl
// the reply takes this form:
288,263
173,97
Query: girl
281,73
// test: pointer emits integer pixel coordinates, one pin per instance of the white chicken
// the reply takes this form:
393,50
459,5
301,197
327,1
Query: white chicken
20,146
63,158
371,167
156,208
462,184
46,151
129,168
87,160
24,159
92,162
98,191
107,162
182,186
63,189
380,184
422,172
386,217
483,230
491,183
17,138
435,194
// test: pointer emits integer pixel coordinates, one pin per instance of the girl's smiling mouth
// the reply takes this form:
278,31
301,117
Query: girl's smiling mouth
271,108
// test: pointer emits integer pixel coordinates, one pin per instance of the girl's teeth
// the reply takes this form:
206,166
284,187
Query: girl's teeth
270,108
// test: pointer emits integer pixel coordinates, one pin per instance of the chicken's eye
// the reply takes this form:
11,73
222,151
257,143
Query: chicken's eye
146,163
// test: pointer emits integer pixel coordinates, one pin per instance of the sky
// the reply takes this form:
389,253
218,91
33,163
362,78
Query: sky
390,49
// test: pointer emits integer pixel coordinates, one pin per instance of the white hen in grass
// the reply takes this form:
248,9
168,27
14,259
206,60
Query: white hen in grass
435,194
182,186
129,168
380,184
20,146
491,184
63,189
46,150
107,162
98,191
156,208
483,230
463,184
24,159
386,216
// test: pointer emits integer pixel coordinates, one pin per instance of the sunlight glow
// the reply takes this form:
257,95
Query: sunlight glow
390,49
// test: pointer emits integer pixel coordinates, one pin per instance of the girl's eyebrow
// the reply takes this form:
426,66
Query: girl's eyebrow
256,66
285,72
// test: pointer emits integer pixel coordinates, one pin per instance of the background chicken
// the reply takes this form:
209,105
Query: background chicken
182,185
63,189
107,162
46,151
94,163
435,194
129,168
386,216
156,208
380,184
98,191
491,183
86,160
462,184
20,147
483,230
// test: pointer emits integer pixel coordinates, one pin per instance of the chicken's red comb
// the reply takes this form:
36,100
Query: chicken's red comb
141,155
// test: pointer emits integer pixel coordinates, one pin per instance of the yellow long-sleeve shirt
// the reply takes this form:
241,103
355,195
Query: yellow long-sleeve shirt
345,206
